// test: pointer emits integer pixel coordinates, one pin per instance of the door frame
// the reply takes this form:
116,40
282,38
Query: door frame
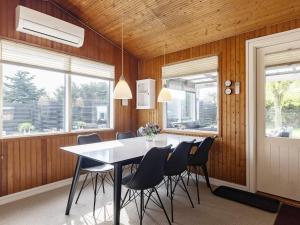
251,74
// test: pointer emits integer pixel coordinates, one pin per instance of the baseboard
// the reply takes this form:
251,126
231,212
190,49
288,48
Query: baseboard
217,182
52,186
37,190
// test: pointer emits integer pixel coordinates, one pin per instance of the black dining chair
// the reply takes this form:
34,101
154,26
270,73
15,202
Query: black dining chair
124,135
175,166
199,160
92,167
149,174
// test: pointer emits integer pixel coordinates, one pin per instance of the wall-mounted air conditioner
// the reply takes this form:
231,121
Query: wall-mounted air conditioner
39,24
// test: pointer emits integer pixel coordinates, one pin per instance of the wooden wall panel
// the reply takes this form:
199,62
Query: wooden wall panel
34,161
228,156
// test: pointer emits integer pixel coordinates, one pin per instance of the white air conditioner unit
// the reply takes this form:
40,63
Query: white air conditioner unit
39,24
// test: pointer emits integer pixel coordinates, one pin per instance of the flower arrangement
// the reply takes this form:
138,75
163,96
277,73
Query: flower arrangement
150,130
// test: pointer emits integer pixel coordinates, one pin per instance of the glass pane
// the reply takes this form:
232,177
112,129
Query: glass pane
194,102
282,109
33,100
90,103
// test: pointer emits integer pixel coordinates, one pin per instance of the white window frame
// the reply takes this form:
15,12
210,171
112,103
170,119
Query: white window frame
177,130
68,97
194,131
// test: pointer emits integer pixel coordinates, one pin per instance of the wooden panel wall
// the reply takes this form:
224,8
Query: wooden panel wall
228,157
33,161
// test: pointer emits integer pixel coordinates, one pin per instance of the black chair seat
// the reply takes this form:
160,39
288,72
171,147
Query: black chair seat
126,179
88,163
99,169
195,161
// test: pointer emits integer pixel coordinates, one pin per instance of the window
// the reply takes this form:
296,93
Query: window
90,103
194,89
45,92
32,100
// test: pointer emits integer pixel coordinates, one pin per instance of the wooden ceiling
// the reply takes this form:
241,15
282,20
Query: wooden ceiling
149,24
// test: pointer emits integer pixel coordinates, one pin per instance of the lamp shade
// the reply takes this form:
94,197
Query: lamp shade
164,95
122,90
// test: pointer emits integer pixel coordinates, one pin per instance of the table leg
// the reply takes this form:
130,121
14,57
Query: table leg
74,185
117,192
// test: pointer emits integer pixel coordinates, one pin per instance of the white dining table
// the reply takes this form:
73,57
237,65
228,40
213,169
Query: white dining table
119,153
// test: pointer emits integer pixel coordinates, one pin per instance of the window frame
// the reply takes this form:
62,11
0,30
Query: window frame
219,105
68,97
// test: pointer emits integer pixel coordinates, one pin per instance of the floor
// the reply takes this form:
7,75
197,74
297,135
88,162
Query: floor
48,209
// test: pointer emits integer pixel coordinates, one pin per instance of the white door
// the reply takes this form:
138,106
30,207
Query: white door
278,120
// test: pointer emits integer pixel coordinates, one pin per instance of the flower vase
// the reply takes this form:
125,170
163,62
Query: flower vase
150,137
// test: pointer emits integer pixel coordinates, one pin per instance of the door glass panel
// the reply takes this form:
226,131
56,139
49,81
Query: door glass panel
282,101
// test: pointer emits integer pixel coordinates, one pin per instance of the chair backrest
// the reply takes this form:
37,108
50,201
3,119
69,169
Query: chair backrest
139,132
203,149
151,169
124,135
88,139
178,160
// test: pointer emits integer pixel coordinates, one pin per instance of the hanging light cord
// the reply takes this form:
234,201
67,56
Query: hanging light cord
164,82
122,76
165,54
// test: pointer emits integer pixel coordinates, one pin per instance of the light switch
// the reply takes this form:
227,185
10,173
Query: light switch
237,87
124,102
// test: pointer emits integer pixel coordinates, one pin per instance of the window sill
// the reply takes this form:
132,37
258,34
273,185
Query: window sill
190,132
39,135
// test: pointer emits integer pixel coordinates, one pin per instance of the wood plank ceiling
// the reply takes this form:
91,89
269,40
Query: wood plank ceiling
148,24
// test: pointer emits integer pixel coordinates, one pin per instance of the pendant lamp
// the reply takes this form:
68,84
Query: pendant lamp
122,89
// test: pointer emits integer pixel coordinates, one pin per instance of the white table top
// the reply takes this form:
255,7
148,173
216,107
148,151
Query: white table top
126,149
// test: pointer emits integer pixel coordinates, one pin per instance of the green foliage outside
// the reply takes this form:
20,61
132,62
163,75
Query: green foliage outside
85,91
21,89
283,104
25,127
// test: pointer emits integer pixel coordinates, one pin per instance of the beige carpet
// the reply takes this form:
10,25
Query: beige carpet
48,209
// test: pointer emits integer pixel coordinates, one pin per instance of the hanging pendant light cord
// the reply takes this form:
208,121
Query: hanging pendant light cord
164,54
164,83
122,76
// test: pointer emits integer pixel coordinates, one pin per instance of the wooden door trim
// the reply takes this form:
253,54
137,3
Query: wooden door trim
251,74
